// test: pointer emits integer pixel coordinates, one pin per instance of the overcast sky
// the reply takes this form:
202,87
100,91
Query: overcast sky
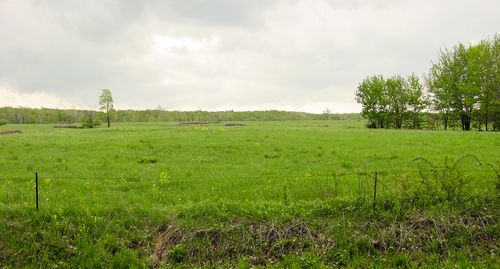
223,54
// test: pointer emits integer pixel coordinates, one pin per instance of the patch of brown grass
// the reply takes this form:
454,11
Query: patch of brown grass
10,132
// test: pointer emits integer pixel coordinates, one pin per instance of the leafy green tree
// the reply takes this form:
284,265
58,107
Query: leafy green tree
397,98
106,103
388,102
495,82
477,84
465,84
416,100
440,89
371,95
489,97
454,83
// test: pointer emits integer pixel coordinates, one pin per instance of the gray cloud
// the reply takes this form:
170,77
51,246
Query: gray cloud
220,13
224,54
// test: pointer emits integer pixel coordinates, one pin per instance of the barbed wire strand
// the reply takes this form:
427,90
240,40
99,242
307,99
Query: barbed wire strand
264,177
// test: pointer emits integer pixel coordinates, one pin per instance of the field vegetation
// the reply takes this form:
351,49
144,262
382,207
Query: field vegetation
296,194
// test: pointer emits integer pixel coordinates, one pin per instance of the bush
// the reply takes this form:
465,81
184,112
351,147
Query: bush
438,183
371,125
3,121
90,123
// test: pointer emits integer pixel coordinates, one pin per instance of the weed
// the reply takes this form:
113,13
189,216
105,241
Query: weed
178,253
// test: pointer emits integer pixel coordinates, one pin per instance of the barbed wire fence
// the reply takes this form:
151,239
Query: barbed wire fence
367,184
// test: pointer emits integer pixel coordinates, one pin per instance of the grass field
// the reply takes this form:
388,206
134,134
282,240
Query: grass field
283,194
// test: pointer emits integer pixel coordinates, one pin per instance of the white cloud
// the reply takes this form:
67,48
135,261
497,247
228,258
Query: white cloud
167,44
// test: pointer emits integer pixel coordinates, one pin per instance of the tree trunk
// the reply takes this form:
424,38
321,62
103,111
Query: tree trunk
486,121
107,117
445,122
466,121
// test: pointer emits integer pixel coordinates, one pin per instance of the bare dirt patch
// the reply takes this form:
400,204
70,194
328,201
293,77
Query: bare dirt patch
198,122
69,126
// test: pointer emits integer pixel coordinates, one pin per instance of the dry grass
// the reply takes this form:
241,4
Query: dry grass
260,242
10,132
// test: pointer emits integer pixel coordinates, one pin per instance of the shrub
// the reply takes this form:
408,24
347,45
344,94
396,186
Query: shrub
90,123
3,121
445,182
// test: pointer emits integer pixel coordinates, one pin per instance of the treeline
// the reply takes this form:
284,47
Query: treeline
20,115
462,88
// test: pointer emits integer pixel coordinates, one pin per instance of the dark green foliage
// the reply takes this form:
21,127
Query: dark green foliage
3,122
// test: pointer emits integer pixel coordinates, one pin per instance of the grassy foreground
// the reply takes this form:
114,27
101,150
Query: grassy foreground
283,194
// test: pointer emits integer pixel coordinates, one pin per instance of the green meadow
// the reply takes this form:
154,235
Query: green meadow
296,194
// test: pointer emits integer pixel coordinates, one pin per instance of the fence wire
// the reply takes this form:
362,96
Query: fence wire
369,185
266,176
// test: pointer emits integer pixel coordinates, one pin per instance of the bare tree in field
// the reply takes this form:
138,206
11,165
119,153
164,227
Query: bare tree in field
326,113
106,103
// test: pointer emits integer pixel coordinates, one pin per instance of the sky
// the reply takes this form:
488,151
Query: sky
295,55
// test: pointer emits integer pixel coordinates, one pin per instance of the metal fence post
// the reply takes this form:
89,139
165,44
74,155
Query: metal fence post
36,189
375,191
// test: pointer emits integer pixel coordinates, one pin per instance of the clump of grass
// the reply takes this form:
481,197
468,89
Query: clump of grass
147,160
274,155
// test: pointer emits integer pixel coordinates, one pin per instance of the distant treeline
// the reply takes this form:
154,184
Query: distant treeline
462,88
22,115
